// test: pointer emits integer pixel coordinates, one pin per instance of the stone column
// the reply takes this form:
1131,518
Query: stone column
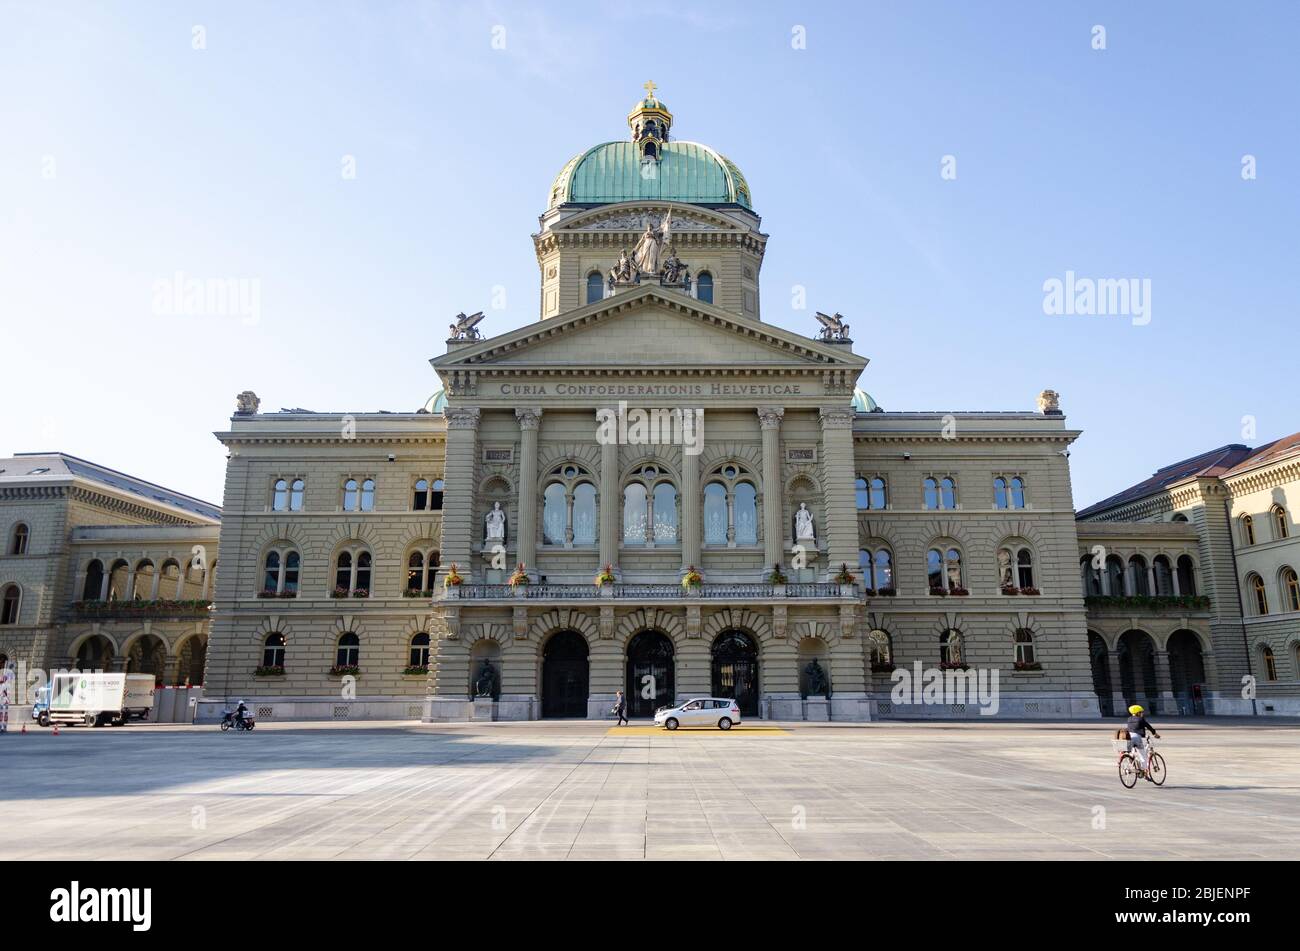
530,420
1165,685
610,501
691,524
838,501
1117,705
460,521
769,420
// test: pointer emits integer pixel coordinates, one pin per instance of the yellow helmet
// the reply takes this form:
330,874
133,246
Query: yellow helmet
1135,709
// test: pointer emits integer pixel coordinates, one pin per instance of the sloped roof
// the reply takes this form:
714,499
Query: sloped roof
29,467
1222,462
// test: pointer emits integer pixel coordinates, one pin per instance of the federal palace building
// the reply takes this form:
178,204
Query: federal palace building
651,489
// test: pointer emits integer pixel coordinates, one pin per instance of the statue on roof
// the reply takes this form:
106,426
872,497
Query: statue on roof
246,403
621,272
653,240
674,270
834,329
466,328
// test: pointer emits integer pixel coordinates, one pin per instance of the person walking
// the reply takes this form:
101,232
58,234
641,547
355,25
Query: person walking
620,708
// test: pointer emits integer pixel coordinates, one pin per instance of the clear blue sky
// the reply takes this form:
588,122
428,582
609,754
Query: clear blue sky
128,155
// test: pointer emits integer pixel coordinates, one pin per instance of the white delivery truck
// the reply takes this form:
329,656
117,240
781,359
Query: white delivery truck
96,699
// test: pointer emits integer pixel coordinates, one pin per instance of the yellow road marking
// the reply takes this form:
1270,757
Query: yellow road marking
652,730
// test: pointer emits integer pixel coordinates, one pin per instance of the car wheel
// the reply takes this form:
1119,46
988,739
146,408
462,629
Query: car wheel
92,720
724,723
670,723
44,718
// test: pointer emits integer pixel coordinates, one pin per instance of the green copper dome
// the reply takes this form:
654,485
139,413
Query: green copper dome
863,403
616,171
437,402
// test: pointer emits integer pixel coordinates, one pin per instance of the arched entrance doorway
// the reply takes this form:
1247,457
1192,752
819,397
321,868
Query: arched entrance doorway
1187,672
95,653
1137,669
148,655
193,657
565,675
1099,657
649,673
735,670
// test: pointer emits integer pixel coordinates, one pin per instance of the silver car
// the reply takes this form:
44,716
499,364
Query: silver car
700,711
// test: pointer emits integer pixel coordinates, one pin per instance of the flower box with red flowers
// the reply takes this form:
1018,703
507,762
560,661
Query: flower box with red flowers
958,592
276,670
345,670
1028,665
938,591
1030,591
954,665
1010,589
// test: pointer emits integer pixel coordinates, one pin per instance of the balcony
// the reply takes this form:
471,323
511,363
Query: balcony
650,592
1158,604
161,608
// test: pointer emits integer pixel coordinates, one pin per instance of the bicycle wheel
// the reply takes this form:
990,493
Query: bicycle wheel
1157,769
1128,771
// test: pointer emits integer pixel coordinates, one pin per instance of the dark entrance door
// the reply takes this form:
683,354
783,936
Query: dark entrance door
1099,658
735,670
565,676
649,673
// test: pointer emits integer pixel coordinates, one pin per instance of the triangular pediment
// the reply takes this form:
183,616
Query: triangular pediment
651,328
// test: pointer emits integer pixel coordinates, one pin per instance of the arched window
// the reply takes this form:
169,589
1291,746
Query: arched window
1164,575
1091,577
1291,589
280,573
18,544
352,574
1025,648
427,496
421,571
943,567
349,651
93,589
704,287
1025,568
1186,575
1178,517
1137,576
635,514
1017,492
1115,576
1016,568
1000,493
555,514
1268,662
664,499
142,590
730,506
1247,530
877,568
10,602
569,506
940,493
952,651
359,496
1009,492
715,514
280,496
420,650
870,493
273,650
1280,527
881,651
746,513
117,578
595,287
1260,595
296,488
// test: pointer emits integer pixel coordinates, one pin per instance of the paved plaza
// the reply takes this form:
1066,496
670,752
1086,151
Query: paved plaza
581,790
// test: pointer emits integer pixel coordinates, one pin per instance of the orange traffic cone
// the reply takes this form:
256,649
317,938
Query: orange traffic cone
23,731
56,729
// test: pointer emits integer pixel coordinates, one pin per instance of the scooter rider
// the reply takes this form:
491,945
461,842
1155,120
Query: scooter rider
241,712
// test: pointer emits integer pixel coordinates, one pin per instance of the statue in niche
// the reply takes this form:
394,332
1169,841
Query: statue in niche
495,523
803,525
486,684
815,679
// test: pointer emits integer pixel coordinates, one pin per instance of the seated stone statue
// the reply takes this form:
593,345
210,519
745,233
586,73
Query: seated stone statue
486,686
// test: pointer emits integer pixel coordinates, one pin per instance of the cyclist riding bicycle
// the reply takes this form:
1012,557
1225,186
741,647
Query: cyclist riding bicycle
1137,730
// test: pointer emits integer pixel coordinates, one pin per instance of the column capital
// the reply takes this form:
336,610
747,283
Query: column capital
769,417
530,417
462,417
836,417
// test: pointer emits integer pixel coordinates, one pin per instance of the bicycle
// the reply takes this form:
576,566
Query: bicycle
1130,772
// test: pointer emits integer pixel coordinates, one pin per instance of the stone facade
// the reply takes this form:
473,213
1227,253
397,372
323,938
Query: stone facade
110,572
1226,515
522,423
